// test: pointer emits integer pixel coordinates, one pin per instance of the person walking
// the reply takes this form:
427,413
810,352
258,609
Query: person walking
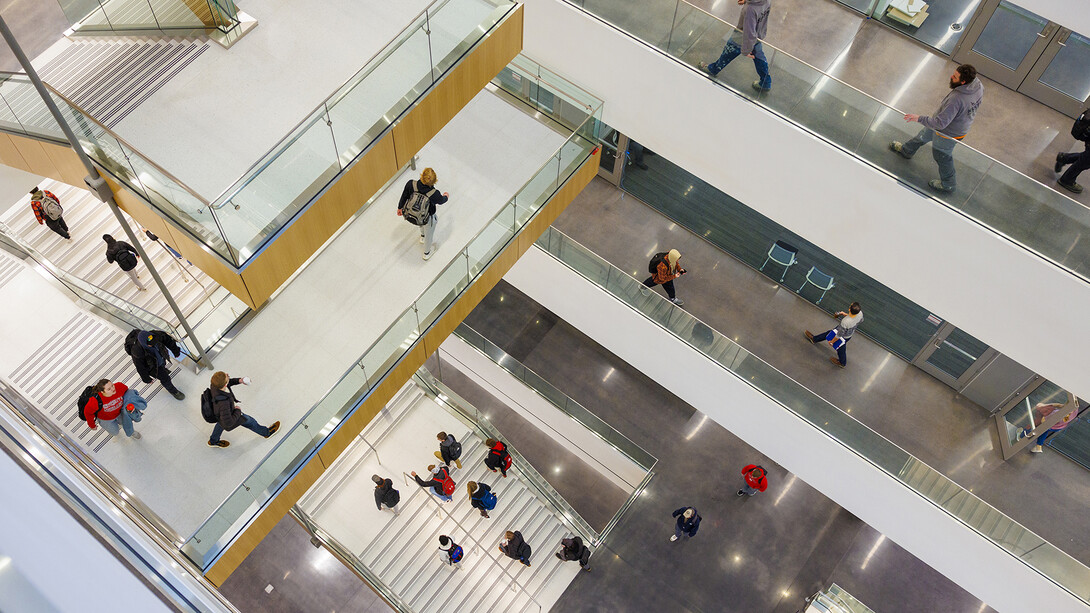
664,268
947,126
755,480
126,258
452,552
497,458
220,397
752,27
1078,161
48,210
1056,427
481,497
105,406
440,483
516,547
151,352
688,522
572,550
417,206
839,336
385,494
449,449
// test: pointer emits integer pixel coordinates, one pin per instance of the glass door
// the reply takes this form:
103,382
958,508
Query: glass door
1004,41
953,357
1061,77
1034,410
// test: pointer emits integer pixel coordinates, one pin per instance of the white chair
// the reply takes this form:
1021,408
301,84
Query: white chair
819,280
783,254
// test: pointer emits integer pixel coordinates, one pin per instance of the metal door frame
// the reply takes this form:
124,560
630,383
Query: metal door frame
614,174
934,344
964,54
1006,448
1051,96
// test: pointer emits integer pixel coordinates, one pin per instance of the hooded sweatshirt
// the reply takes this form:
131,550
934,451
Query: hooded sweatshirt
668,269
957,110
753,23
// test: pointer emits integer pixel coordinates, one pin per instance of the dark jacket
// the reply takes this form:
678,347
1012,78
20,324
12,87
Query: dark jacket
148,357
223,404
435,484
688,526
497,457
446,451
386,494
517,548
114,251
435,199
477,499
574,549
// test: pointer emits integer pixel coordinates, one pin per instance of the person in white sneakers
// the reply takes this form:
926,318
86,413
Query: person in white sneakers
664,268
417,206
228,410
688,522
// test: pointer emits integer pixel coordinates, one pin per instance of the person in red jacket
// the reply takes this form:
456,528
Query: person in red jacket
104,408
47,209
755,480
497,458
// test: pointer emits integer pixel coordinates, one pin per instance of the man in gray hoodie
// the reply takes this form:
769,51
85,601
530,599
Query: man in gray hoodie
752,27
947,126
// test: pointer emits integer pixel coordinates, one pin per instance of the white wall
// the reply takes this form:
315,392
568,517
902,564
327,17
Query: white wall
988,286
1071,14
944,543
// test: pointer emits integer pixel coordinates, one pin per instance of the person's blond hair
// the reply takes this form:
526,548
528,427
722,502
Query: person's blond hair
219,380
428,177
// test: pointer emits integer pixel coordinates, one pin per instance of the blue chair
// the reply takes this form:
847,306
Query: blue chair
782,254
819,280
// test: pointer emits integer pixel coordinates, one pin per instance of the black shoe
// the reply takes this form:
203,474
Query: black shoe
220,444
1059,163
1071,187
178,395
272,429
559,557
641,165
741,492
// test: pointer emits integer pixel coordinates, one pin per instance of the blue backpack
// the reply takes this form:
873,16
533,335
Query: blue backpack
489,501
456,554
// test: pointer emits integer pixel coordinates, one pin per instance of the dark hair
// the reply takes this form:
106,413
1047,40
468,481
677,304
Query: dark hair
491,442
34,191
855,308
441,436
967,72
378,480
107,238
101,385
444,540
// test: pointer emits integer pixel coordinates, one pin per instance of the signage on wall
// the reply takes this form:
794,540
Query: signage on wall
933,319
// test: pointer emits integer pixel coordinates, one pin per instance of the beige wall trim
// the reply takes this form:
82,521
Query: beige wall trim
336,443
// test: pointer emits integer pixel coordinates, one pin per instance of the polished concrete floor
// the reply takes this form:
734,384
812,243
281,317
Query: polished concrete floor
36,24
1045,492
765,553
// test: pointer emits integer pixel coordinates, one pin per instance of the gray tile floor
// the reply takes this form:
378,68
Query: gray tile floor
36,24
1045,492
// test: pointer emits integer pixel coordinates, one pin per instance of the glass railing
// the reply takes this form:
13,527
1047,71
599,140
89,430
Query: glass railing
961,504
330,139
302,441
126,16
995,195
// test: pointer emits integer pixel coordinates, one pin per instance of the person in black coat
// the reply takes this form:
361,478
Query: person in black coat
480,497
228,413
449,449
125,256
573,549
385,494
688,522
515,547
1078,161
497,458
425,188
151,351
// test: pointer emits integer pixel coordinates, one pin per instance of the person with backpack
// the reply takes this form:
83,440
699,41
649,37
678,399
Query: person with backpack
151,352
48,210
417,206
440,483
385,494
126,258
481,497
664,268
516,547
103,404
573,550
755,480
497,458
452,552
1078,161
688,522
449,449
220,406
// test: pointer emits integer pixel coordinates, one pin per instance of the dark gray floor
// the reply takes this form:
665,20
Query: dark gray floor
764,553
1045,492
36,24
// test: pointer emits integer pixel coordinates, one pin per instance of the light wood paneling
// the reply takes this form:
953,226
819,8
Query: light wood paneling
460,85
70,169
37,160
314,227
9,153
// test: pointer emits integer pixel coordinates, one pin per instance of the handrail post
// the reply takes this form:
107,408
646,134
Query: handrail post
98,185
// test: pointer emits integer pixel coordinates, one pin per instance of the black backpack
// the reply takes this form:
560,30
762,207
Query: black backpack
84,398
455,450
391,498
1081,128
208,410
653,265
126,259
130,341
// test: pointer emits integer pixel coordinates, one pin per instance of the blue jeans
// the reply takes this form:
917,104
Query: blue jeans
733,50
114,428
942,149
442,497
1041,439
247,422
841,354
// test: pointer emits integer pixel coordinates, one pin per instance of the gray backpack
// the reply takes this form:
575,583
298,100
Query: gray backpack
52,208
418,209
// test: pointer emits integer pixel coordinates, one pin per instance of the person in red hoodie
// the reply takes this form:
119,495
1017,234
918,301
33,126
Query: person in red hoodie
105,407
755,480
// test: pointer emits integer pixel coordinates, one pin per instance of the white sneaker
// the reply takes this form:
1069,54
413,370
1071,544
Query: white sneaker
678,301
673,538
135,435
427,256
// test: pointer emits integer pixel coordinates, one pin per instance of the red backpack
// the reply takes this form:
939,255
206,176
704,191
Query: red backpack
501,450
448,484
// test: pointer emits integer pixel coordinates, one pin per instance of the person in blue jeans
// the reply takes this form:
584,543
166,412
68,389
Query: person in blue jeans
839,336
228,412
752,27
